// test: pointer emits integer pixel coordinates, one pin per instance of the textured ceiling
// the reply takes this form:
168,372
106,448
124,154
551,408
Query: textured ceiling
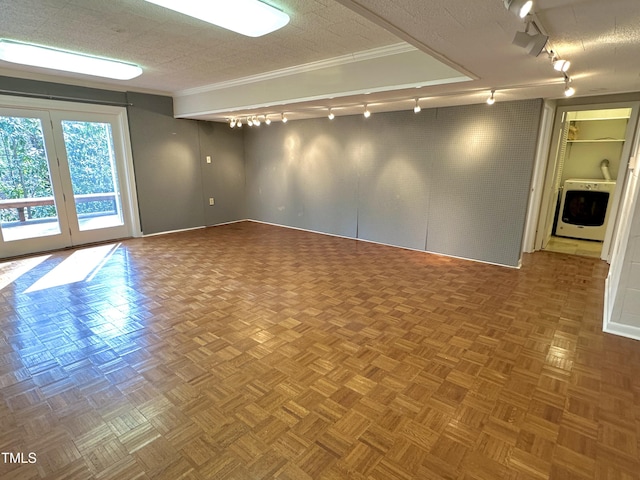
601,38
178,52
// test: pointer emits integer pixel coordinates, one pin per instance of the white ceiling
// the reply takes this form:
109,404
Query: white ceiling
462,49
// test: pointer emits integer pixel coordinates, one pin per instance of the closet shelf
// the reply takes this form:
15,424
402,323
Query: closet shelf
609,140
598,119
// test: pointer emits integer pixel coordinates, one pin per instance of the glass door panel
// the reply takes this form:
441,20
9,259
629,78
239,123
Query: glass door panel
92,166
62,172
94,179
29,203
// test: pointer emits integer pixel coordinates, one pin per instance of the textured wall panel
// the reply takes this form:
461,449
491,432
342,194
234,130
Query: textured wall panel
452,180
394,178
303,174
481,175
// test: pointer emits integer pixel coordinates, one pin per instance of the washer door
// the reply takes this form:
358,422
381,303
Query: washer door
583,214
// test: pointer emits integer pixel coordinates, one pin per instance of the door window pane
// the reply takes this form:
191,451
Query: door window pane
27,204
89,147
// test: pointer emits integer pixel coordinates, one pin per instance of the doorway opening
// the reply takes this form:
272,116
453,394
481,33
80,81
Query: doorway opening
587,166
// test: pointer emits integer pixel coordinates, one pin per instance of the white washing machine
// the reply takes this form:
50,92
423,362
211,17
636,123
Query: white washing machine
585,208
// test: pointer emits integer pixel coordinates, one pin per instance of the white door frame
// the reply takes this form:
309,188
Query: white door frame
119,118
538,219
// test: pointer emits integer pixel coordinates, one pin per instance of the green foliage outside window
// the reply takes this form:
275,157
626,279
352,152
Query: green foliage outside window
24,171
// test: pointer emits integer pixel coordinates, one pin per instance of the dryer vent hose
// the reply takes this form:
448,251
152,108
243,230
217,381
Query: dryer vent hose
604,166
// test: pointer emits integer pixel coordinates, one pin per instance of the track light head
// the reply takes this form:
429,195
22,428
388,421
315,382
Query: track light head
366,112
249,122
232,123
533,44
561,65
492,99
267,120
331,115
521,8
284,118
417,108
569,91
256,121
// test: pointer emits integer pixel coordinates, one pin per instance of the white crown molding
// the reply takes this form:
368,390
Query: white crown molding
385,51
313,98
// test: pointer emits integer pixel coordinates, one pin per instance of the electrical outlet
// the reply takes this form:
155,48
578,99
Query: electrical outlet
208,158
211,201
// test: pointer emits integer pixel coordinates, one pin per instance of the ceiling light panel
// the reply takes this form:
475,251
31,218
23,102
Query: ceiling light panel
247,17
54,59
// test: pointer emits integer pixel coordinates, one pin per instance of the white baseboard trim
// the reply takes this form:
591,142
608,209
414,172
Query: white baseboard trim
227,223
385,244
195,228
171,231
622,330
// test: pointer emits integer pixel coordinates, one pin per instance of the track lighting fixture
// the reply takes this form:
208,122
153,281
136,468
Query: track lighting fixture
569,91
522,8
560,65
533,44
256,120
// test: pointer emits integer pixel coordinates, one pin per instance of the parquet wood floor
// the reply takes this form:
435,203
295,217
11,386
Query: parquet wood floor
249,351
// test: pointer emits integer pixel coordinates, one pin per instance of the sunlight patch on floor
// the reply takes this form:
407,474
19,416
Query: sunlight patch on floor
79,266
11,271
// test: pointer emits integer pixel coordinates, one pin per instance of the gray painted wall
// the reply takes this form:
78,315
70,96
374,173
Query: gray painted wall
173,178
304,174
450,180
223,178
166,160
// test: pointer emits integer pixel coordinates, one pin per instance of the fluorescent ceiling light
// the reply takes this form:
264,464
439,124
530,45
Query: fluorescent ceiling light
46,57
252,18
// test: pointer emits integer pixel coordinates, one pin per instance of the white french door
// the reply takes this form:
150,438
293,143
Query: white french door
65,179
